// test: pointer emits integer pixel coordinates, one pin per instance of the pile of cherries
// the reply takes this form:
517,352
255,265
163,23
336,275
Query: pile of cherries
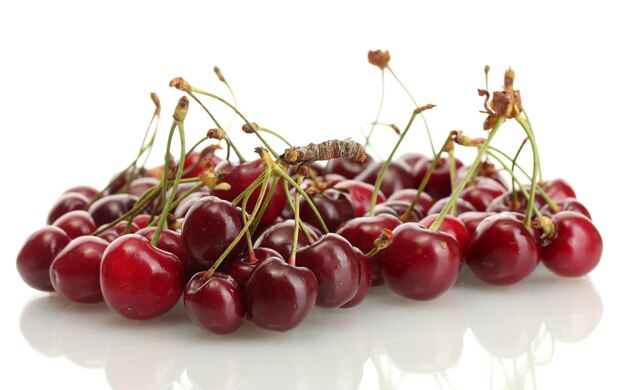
270,238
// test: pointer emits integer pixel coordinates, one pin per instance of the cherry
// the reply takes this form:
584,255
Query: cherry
69,201
280,237
567,204
439,185
482,192
365,282
348,168
75,271
502,250
172,242
424,202
360,194
335,207
140,281
471,219
88,191
420,263
558,189
142,220
397,208
241,268
209,228
36,255
183,207
280,296
335,264
505,202
111,207
239,177
361,233
576,248
193,157
451,225
412,158
140,185
462,206
215,303
76,223
398,176
120,180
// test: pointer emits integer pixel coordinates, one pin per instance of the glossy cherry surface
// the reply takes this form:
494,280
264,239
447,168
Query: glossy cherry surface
451,225
75,271
76,223
199,166
138,280
335,264
172,242
558,189
88,191
462,206
36,255
471,219
576,248
280,237
397,208
397,177
481,192
360,194
439,185
111,207
215,303
420,264
567,204
502,251
365,282
280,296
348,168
334,206
424,203
69,201
240,268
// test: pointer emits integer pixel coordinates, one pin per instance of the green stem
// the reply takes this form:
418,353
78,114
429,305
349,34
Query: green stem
452,168
533,183
296,218
266,202
483,148
275,134
513,164
531,129
380,109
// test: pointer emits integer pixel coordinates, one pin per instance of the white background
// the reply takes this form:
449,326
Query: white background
74,104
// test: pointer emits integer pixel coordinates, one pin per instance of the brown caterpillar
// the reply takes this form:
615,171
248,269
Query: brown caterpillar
326,150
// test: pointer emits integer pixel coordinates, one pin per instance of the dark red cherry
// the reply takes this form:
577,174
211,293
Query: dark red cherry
76,223
397,208
122,227
183,207
215,303
576,248
462,206
567,204
365,282
348,168
425,201
241,268
192,159
140,185
239,177
419,263
361,233
75,271
88,191
280,237
280,296
471,219
142,220
172,242
36,255
140,281
398,176
412,158
121,179
558,189
334,206
335,264
360,194
109,208
210,226
502,251
505,203
451,225
482,192
69,201
439,185
109,235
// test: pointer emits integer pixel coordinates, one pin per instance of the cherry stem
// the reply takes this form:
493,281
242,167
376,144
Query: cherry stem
244,218
179,118
383,170
253,186
531,129
296,218
266,202
430,138
292,208
232,107
229,143
380,109
533,183
452,169
185,194
246,226
483,148
275,134
513,164
381,242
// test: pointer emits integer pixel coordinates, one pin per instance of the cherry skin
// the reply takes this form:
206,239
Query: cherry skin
139,186
361,233
398,176
140,281
193,157
365,282
109,208
502,251
172,242
482,192
412,158
348,168
215,303
142,220
471,219
280,237
451,225
397,208
505,202
36,255
576,248
558,189
183,207
335,264
567,204
360,194
241,268
419,263
462,206
280,296
69,201
76,223
438,185
210,226
88,191
335,207
424,203
75,271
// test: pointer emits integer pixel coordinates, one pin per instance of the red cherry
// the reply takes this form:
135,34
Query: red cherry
412,158
335,264
397,208
471,219
462,206
140,185
36,255
424,203
140,281
280,237
215,304
209,228
241,268
505,202
365,282
109,208
142,220
75,271
502,251
439,185
558,189
193,157
76,223
348,168
397,177
69,201
172,242
88,191
360,194
577,247
420,263
361,233
335,207
567,204
482,192
280,296
183,207
451,225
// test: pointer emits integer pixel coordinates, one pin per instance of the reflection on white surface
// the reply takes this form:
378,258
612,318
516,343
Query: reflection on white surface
388,342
